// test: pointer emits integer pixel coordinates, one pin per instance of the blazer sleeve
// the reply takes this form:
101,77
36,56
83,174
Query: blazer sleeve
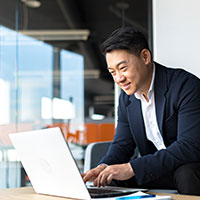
123,146
185,97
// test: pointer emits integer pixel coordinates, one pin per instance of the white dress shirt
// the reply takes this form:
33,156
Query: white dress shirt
149,116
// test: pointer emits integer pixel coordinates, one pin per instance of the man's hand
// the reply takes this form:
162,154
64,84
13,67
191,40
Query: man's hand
92,174
104,174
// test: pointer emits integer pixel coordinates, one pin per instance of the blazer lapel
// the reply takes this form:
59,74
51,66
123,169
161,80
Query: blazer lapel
135,115
137,126
160,87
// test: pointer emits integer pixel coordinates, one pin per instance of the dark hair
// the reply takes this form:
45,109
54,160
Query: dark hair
126,38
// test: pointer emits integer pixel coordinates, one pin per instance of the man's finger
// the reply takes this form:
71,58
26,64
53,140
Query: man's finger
110,178
88,177
103,180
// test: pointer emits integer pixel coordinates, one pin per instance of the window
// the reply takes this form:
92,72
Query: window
40,87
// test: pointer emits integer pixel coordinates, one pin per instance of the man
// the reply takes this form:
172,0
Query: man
159,113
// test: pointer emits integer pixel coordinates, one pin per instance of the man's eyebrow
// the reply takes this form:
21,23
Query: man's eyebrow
122,62
118,64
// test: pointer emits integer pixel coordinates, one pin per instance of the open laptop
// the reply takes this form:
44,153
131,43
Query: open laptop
52,170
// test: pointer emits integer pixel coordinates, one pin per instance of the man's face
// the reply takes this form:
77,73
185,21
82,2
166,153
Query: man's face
132,73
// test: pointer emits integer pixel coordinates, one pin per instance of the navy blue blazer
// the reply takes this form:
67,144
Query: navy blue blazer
177,100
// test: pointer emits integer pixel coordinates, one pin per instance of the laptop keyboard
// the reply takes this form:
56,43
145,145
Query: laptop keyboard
99,191
102,192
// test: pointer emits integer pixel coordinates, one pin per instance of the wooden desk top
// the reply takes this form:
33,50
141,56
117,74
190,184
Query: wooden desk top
27,193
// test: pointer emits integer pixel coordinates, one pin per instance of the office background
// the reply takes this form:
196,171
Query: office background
52,72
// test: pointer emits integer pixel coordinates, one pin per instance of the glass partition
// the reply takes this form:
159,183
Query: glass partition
35,94
8,105
72,89
35,75
41,86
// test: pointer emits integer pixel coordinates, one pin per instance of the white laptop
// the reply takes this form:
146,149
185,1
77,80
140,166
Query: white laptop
51,168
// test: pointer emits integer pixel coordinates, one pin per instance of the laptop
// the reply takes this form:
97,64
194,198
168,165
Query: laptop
51,168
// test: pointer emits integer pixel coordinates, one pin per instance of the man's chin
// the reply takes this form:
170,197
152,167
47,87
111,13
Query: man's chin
128,92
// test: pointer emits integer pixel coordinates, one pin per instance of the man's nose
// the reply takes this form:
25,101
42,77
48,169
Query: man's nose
119,77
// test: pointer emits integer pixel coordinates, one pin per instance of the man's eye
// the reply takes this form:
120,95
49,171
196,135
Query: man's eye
112,72
123,68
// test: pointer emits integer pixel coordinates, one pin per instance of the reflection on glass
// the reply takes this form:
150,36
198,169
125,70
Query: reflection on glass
62,109
27,95
35,78
72,88
9,175
7,75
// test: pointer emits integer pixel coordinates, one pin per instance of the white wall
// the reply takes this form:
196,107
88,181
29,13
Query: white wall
176,33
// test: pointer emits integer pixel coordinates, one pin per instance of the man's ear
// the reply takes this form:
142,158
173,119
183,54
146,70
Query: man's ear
146,56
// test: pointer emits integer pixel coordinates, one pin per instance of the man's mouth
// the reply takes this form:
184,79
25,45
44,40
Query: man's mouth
126,86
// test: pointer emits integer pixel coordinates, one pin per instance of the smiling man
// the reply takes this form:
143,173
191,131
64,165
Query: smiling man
159,113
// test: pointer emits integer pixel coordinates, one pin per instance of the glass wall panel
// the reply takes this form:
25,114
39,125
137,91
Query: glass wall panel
8,79
42,84
34,80
72,90
9,177
40,87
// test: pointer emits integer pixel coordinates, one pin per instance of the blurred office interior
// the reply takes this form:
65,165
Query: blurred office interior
52,72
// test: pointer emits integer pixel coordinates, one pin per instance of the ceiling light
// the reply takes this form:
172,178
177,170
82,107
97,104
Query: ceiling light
56,35
32,3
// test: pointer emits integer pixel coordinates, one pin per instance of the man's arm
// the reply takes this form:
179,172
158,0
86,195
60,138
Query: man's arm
123,146
119,154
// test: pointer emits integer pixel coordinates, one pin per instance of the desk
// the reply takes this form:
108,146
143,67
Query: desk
27,193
